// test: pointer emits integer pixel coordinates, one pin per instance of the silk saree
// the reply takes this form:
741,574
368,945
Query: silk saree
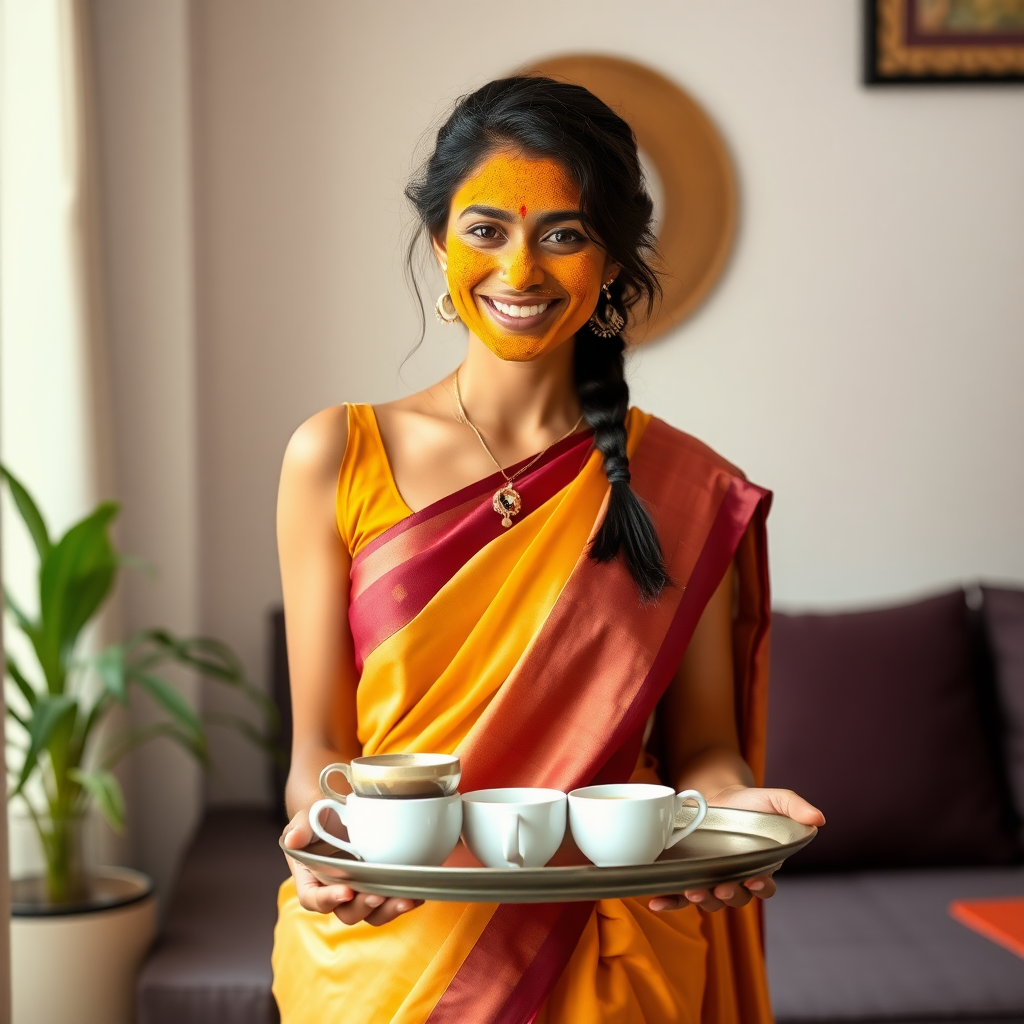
539,667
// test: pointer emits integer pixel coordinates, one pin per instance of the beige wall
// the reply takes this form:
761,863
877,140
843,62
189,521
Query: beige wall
862,355
143,98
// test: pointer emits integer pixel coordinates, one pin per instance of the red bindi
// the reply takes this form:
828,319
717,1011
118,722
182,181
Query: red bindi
522,212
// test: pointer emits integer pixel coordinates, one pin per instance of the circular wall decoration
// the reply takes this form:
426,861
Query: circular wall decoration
698,217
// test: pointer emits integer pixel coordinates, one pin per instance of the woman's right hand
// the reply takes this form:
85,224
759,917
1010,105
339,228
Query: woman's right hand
347,905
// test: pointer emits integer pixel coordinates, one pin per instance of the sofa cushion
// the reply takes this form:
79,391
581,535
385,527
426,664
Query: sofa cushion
874,717
881,946
211,963
1003,611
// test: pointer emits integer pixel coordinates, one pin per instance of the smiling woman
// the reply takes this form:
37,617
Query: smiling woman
524,275
536,621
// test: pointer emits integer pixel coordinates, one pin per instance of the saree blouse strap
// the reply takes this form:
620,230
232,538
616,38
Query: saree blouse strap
367,501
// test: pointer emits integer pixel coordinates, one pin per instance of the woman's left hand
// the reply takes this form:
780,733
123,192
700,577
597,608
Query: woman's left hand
739,894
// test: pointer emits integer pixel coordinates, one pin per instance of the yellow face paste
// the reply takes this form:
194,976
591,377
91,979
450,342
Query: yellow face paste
507,254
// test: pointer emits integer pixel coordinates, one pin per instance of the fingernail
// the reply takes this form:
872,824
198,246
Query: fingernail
697,897
374,901
755,886
403,905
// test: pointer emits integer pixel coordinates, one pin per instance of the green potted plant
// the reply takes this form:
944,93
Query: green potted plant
60,762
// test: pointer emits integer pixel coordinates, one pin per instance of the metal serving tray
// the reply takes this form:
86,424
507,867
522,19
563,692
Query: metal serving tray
730,845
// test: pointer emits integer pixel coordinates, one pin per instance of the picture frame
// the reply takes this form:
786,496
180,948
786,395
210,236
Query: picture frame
943,42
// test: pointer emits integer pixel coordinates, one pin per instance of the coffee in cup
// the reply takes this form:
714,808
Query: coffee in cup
396,776
629,823
513,828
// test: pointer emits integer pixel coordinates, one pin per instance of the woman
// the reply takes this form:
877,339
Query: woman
537,620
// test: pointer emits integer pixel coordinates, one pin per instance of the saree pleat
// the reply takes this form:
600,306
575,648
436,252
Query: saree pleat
539,666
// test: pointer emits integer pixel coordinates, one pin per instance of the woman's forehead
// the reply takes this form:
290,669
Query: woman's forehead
519,183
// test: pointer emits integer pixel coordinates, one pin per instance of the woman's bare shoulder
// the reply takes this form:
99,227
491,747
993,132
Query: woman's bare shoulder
317,447
431,403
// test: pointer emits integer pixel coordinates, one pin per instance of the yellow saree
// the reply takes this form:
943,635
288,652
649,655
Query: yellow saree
540,668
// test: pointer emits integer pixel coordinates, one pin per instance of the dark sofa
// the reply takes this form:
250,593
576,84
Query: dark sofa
905,724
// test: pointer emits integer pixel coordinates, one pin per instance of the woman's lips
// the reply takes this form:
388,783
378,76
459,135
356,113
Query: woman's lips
515,322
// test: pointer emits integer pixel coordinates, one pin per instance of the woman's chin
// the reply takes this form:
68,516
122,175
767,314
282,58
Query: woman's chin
522,349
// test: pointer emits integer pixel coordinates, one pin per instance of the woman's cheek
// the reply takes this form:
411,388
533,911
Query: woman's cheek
467,267
580,276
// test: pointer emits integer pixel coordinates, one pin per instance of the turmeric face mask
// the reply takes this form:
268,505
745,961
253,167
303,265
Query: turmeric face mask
523,272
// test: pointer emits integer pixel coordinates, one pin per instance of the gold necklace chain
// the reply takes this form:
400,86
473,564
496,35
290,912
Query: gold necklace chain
507,500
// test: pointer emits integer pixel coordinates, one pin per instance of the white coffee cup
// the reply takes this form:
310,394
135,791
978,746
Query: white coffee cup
513,828
629,823
382,831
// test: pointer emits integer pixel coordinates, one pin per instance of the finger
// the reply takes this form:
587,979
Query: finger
361,906
733,895
703,899
709,902
322,899
762,887
670,902
796,807
391,909
297,834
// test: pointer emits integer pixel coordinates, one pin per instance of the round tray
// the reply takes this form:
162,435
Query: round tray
730,845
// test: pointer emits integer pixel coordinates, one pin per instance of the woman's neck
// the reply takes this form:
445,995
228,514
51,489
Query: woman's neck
523,405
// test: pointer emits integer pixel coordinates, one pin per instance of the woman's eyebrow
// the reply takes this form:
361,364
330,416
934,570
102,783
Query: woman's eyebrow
507,217
554,215
490,211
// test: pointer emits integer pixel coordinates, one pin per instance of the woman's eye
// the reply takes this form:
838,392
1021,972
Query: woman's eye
484,231
565,236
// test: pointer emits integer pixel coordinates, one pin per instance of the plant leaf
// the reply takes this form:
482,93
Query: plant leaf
21,721
106,791
25,624
74,580
29,512
265,742
47,715
26,688
173,702
213,660
109,664
127,740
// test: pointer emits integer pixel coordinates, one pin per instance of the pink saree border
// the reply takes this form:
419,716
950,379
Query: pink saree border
395,576
477,489
478,994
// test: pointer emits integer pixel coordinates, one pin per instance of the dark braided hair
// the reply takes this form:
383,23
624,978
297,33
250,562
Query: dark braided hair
568,123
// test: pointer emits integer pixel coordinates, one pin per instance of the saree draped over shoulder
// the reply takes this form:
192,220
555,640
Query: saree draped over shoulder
539,667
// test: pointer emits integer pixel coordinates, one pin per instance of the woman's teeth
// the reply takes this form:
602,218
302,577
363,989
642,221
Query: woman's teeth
521,311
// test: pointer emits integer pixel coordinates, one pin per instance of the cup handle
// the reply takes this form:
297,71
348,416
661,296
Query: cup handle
338,806
702,812
338,766
510,844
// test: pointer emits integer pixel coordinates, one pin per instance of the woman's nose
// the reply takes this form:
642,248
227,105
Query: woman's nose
522,269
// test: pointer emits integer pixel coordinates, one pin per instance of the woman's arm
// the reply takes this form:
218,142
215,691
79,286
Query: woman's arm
315,581
698,713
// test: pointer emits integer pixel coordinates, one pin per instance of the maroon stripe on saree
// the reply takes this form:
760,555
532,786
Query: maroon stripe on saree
395,575
574,709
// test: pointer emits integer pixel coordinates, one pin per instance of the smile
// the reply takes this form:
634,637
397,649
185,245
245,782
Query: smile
519,315
520,311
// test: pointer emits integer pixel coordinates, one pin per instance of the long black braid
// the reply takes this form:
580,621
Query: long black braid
569,124
604,398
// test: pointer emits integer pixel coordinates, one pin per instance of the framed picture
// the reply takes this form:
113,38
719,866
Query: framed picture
944,41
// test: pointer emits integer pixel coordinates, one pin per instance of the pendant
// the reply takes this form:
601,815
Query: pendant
507,504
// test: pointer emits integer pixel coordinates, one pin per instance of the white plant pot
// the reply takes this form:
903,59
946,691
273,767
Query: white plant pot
80,967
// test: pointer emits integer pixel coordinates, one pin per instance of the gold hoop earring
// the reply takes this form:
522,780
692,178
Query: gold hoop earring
445,311
611,322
